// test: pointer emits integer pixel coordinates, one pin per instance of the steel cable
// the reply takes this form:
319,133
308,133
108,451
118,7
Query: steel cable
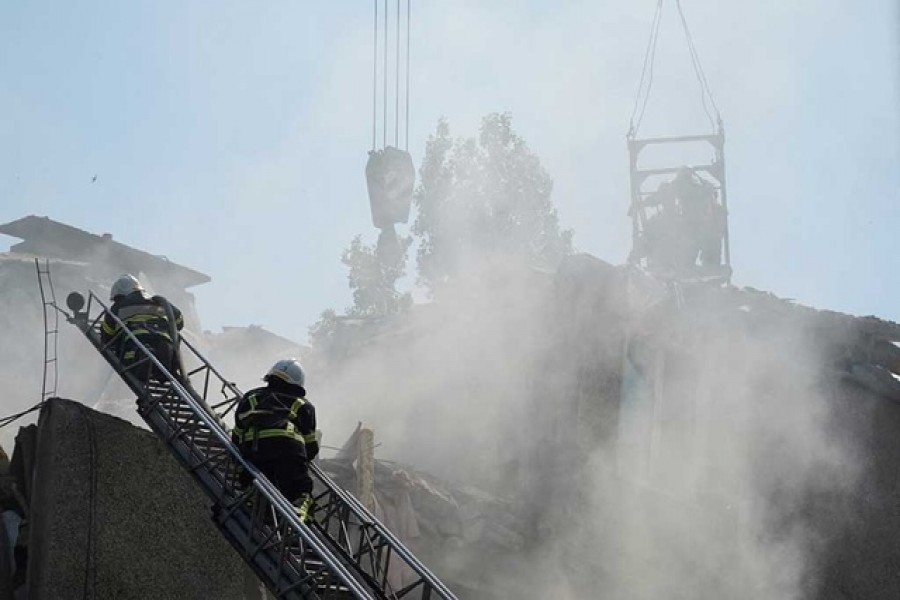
698,69
649,57
375,78
406,127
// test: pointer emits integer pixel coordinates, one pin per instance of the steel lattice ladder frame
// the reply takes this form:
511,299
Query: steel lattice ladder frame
345,553
50,380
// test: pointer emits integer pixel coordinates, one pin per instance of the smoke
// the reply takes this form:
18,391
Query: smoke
81,373
646,450
660,452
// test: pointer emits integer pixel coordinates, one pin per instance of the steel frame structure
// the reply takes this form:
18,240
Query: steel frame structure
639,176
344,553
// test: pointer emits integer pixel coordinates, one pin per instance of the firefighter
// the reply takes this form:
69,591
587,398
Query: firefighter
275,429
147,319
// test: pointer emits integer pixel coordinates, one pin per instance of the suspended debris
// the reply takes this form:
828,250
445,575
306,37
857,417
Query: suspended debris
390,174
390,178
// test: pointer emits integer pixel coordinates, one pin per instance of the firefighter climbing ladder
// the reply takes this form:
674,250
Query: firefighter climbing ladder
345,553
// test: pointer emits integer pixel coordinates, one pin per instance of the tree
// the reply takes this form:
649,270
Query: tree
373,272
373,275
484,199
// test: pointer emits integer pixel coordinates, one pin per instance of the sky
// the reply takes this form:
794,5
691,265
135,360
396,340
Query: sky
232,137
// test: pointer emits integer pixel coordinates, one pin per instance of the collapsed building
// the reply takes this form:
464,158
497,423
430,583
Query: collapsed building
651,439
644,438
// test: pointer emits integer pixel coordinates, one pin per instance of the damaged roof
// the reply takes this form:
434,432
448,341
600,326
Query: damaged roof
48,238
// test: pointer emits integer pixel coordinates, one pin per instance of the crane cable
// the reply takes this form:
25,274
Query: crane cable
385,74
397,84
705,92
649,58
643,94
375,78
406,126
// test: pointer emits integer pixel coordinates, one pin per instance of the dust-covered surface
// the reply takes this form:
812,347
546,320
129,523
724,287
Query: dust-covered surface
114,516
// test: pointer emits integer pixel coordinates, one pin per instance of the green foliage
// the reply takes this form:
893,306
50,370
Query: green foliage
483,199
373,275
479,199
373,272
322,332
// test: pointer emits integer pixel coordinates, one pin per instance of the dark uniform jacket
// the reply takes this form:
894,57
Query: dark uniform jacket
142,315
145,317
264,415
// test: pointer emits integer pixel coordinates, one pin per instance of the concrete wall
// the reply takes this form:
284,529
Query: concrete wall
115,517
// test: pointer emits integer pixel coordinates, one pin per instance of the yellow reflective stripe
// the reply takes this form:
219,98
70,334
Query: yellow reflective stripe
110,329
295,407
140,332
127,312
309,437
274,433
252,410
141,318
249,413
254,434
303,508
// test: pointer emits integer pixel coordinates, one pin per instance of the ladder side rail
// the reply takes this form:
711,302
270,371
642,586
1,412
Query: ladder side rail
365,517
210,482
334,519
235,532
354,508
227,384
363,514
264,487
45,304
55,330
236,527
331,490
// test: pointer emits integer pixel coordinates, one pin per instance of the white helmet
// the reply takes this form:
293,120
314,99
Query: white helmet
124,285
289,371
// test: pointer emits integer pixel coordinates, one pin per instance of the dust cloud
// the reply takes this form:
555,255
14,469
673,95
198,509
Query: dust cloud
652,452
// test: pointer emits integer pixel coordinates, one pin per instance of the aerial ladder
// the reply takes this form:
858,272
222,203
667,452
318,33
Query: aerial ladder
344,552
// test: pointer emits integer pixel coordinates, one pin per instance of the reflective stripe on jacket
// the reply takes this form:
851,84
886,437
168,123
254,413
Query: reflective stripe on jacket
142,316
267,421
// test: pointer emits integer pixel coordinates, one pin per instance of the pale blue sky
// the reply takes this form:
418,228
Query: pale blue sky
232,136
